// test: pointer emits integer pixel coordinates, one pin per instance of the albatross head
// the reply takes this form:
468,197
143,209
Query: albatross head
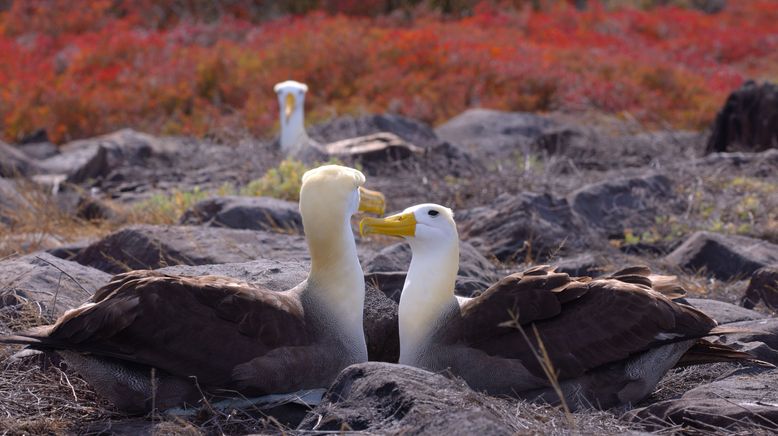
335,192
429,286
291,100
422,225
329,196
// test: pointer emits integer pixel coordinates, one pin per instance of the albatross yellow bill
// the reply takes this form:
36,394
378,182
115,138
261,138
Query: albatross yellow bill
401,224
371,201
289,104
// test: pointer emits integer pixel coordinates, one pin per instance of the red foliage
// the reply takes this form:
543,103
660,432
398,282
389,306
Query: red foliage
83,71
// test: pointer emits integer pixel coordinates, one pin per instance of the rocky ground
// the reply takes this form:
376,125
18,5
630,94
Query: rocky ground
589,195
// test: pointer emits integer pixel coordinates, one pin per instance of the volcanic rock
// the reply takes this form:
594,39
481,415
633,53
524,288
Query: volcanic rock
570,149
381,327
410,130
56,284
148,247
762,287
372,150
10,200
748,121
527,225
613,206
747,397
582,265
14,163
35,137
722,312
723,256
70,250
92,158
79,164
384,398
39,150
254,213
494,134
758,337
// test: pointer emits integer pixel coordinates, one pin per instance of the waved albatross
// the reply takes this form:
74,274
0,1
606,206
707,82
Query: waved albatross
295,142
222,333
609,340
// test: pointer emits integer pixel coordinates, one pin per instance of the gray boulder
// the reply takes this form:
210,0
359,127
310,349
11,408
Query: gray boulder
39,150
381,327
384,398
93,158
277,275
527,225
723,256
387,270
56,284
612,206
762,287
748,121
745,401
570,149
410,130
146,246
70,250
758,337
373,150
493,134
79,164
724,313
26,242
581,265
10,201
254,213
14,163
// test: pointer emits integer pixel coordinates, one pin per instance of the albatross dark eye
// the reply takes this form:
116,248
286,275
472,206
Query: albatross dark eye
433,213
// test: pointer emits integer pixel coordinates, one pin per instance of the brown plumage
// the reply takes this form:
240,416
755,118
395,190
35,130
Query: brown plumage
600,342
249,339
597,335
133,324
212,334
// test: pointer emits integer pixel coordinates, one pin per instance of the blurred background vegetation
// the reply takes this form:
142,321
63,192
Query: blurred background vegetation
198,66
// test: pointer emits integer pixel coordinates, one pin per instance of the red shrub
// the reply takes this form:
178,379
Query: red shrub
84,71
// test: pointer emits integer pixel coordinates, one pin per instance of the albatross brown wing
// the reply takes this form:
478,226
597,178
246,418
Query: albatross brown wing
583,323
201,326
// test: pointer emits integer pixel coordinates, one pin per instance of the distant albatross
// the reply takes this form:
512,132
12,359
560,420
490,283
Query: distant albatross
295,142
291,101
608,341
221,333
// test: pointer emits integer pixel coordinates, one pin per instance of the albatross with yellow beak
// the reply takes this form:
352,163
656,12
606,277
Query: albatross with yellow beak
291,100
221,333
608,341
296,143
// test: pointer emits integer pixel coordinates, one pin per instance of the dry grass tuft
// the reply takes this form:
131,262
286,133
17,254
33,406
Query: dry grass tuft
40,223
39,397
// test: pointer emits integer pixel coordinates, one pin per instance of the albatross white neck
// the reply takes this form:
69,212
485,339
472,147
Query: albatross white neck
293,133
427,294
335,270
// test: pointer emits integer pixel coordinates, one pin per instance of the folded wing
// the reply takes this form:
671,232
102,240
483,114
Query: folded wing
583,323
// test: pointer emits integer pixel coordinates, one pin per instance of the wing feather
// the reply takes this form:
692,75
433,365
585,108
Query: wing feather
583,322
198,326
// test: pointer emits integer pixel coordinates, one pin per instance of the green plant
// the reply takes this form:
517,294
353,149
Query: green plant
283,182
166,208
